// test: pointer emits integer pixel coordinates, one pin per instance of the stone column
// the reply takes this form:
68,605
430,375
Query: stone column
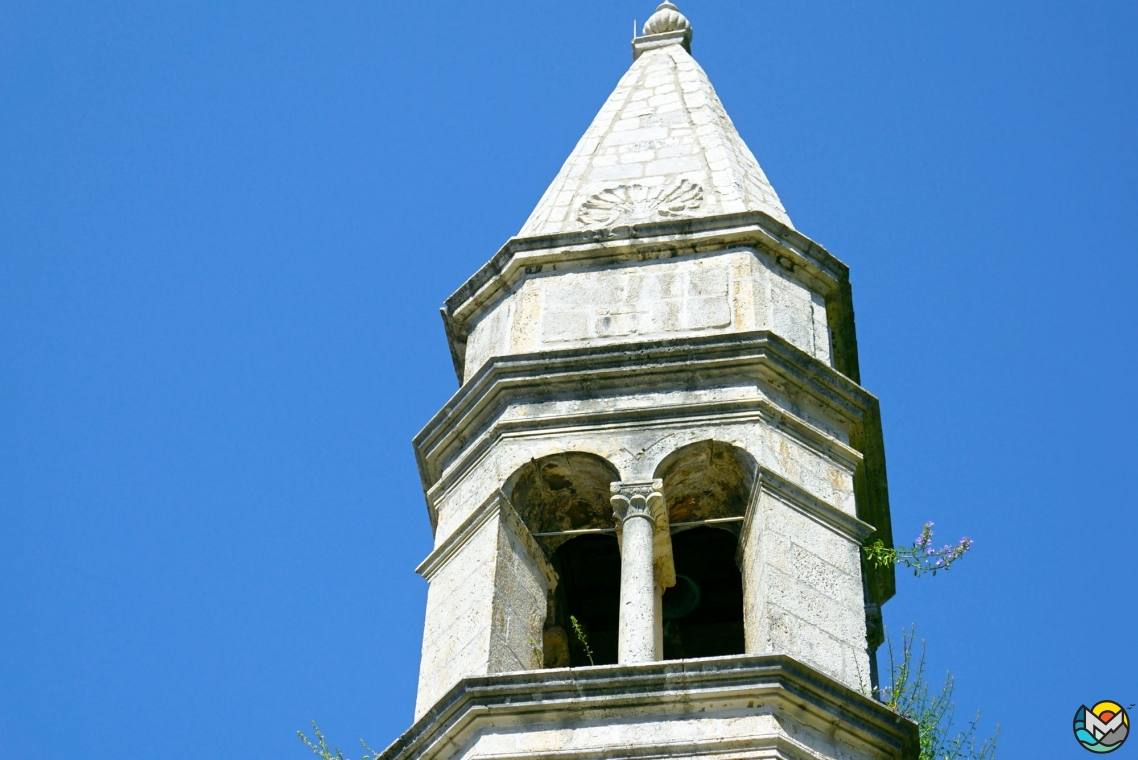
641,517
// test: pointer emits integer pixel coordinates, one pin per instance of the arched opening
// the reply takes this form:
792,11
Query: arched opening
562,492
564,501
707,480
703,612
589,592
707,487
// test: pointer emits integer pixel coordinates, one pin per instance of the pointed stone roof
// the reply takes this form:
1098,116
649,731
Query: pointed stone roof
662,147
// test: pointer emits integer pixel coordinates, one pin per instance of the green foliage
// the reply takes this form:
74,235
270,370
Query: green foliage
921,557
321,746
536,655
581,637
909,694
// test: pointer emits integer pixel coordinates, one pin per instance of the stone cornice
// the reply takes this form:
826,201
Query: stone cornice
654,366
643,44
806,259
849,527
656,690
466,428
461,536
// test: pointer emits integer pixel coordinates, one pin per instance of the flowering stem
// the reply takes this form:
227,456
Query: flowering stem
921,557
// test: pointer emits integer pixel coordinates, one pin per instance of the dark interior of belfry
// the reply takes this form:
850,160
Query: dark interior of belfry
564,501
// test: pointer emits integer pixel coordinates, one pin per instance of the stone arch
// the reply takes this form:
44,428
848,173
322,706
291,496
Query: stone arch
706,480
559,492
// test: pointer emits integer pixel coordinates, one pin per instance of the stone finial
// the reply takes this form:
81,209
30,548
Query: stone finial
667,18
667,26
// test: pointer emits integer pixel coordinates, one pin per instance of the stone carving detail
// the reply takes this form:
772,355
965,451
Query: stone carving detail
667,18
638,500
637,203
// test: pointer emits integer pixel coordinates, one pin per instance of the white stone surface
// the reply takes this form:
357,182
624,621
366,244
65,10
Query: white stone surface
777,410
636,451
782,602
667,18
662,129
700,294
731,707
643,529
802,589
486,602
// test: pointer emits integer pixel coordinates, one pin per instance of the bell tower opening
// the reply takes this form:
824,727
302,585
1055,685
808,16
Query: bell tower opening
703,612
588,590
707,487
564,501
657,310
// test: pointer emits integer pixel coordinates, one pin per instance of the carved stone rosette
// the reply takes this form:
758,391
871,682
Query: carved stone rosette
630,204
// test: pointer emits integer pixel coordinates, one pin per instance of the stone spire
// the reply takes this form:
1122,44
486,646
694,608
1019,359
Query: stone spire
662,147
650,493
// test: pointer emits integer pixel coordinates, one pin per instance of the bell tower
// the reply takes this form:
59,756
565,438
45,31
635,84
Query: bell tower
650,490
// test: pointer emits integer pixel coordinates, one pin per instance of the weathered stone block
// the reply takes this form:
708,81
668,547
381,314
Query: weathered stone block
486,601
734,290
797,601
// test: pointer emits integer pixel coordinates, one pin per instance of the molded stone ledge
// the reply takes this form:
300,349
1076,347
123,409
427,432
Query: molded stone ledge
647,42
496,506
791,701
847,526
463,430
464,421
806,259
642,364
489,585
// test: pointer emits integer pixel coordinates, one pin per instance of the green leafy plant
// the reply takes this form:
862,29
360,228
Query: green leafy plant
910,695
581,637
536,654
921,557
322,749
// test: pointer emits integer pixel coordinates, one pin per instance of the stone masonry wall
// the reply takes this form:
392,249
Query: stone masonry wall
457,630
661,131
802,592
731,291
802,580
519,605
485,604
637,451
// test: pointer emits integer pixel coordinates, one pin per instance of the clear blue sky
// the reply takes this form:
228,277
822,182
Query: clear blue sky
226,230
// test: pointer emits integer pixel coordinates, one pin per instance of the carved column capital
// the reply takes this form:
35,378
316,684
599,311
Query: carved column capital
644,499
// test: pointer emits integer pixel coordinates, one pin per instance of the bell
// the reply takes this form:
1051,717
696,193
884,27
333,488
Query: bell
680,599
